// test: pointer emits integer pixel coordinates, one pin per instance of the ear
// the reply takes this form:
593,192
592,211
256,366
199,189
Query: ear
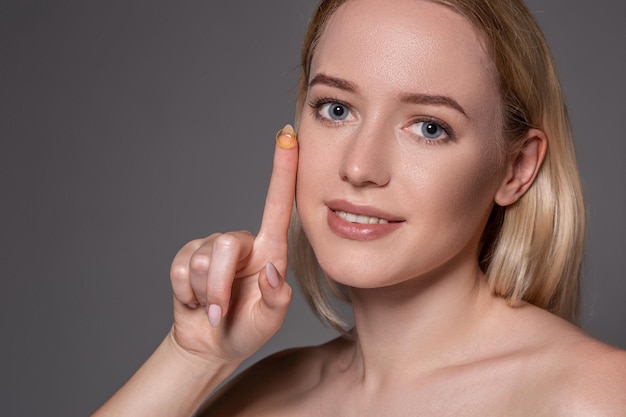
523,168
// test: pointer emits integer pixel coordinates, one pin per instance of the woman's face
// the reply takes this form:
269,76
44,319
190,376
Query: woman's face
399,160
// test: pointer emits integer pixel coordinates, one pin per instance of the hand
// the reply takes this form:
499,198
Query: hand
230,295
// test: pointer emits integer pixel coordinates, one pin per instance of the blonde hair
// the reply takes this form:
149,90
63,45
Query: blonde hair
531,250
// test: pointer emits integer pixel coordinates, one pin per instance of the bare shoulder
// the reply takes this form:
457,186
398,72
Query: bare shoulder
594,379
578,375
274,383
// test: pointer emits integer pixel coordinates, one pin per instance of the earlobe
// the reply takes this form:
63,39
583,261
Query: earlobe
523,168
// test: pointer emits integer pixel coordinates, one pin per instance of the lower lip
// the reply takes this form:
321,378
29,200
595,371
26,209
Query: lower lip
356,231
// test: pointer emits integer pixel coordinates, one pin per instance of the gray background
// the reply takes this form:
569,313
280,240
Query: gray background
130,127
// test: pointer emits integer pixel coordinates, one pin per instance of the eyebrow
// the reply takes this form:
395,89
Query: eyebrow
433,100
333,82
436,100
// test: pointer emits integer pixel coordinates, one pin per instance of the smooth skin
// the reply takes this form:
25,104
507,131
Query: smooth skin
431,340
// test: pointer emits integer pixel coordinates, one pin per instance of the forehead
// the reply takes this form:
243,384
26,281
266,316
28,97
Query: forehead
404,44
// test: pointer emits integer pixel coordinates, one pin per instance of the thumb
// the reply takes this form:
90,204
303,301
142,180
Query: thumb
275,294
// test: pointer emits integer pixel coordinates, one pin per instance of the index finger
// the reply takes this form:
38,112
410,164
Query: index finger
281,191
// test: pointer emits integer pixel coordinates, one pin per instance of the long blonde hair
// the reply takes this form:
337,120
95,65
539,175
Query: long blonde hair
531,250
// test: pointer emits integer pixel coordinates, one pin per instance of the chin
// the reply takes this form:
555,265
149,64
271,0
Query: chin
358,272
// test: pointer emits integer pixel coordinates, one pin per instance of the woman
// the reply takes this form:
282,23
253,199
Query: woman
437,191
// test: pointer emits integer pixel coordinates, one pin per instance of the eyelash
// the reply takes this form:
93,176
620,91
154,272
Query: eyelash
449,133
316,105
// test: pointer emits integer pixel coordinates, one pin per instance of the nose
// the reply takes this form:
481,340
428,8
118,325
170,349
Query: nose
365,159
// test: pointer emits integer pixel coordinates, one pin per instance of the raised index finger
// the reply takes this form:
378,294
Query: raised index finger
281,191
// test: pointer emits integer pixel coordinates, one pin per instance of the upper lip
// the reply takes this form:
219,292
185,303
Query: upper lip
364,210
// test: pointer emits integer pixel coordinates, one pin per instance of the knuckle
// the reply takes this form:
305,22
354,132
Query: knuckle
199,262
179,273
216,296
227,242
211,237
218,290
193,244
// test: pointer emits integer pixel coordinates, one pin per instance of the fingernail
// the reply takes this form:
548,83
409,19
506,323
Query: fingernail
286,137
273,278
192,306
215,315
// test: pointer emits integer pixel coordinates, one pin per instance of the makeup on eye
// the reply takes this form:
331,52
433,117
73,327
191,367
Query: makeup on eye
330,110
431,130
427,129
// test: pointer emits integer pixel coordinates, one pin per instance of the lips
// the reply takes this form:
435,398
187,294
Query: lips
351,209
355,222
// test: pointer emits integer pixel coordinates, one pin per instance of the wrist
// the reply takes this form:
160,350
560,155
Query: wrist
197,363
172,382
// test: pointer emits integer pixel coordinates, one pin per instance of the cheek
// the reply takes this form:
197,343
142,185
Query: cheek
470,185
310,183
452,192
316,158
313,169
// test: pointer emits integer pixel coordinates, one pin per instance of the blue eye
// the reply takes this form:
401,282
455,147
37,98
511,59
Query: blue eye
430,130
335,111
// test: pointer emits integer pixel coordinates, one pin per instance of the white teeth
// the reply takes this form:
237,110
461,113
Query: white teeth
357,218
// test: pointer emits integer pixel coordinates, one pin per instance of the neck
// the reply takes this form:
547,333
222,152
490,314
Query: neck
436,321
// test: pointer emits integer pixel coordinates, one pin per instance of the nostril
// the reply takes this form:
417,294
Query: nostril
361,174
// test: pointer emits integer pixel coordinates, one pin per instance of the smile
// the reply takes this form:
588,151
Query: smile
363,226
359,218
